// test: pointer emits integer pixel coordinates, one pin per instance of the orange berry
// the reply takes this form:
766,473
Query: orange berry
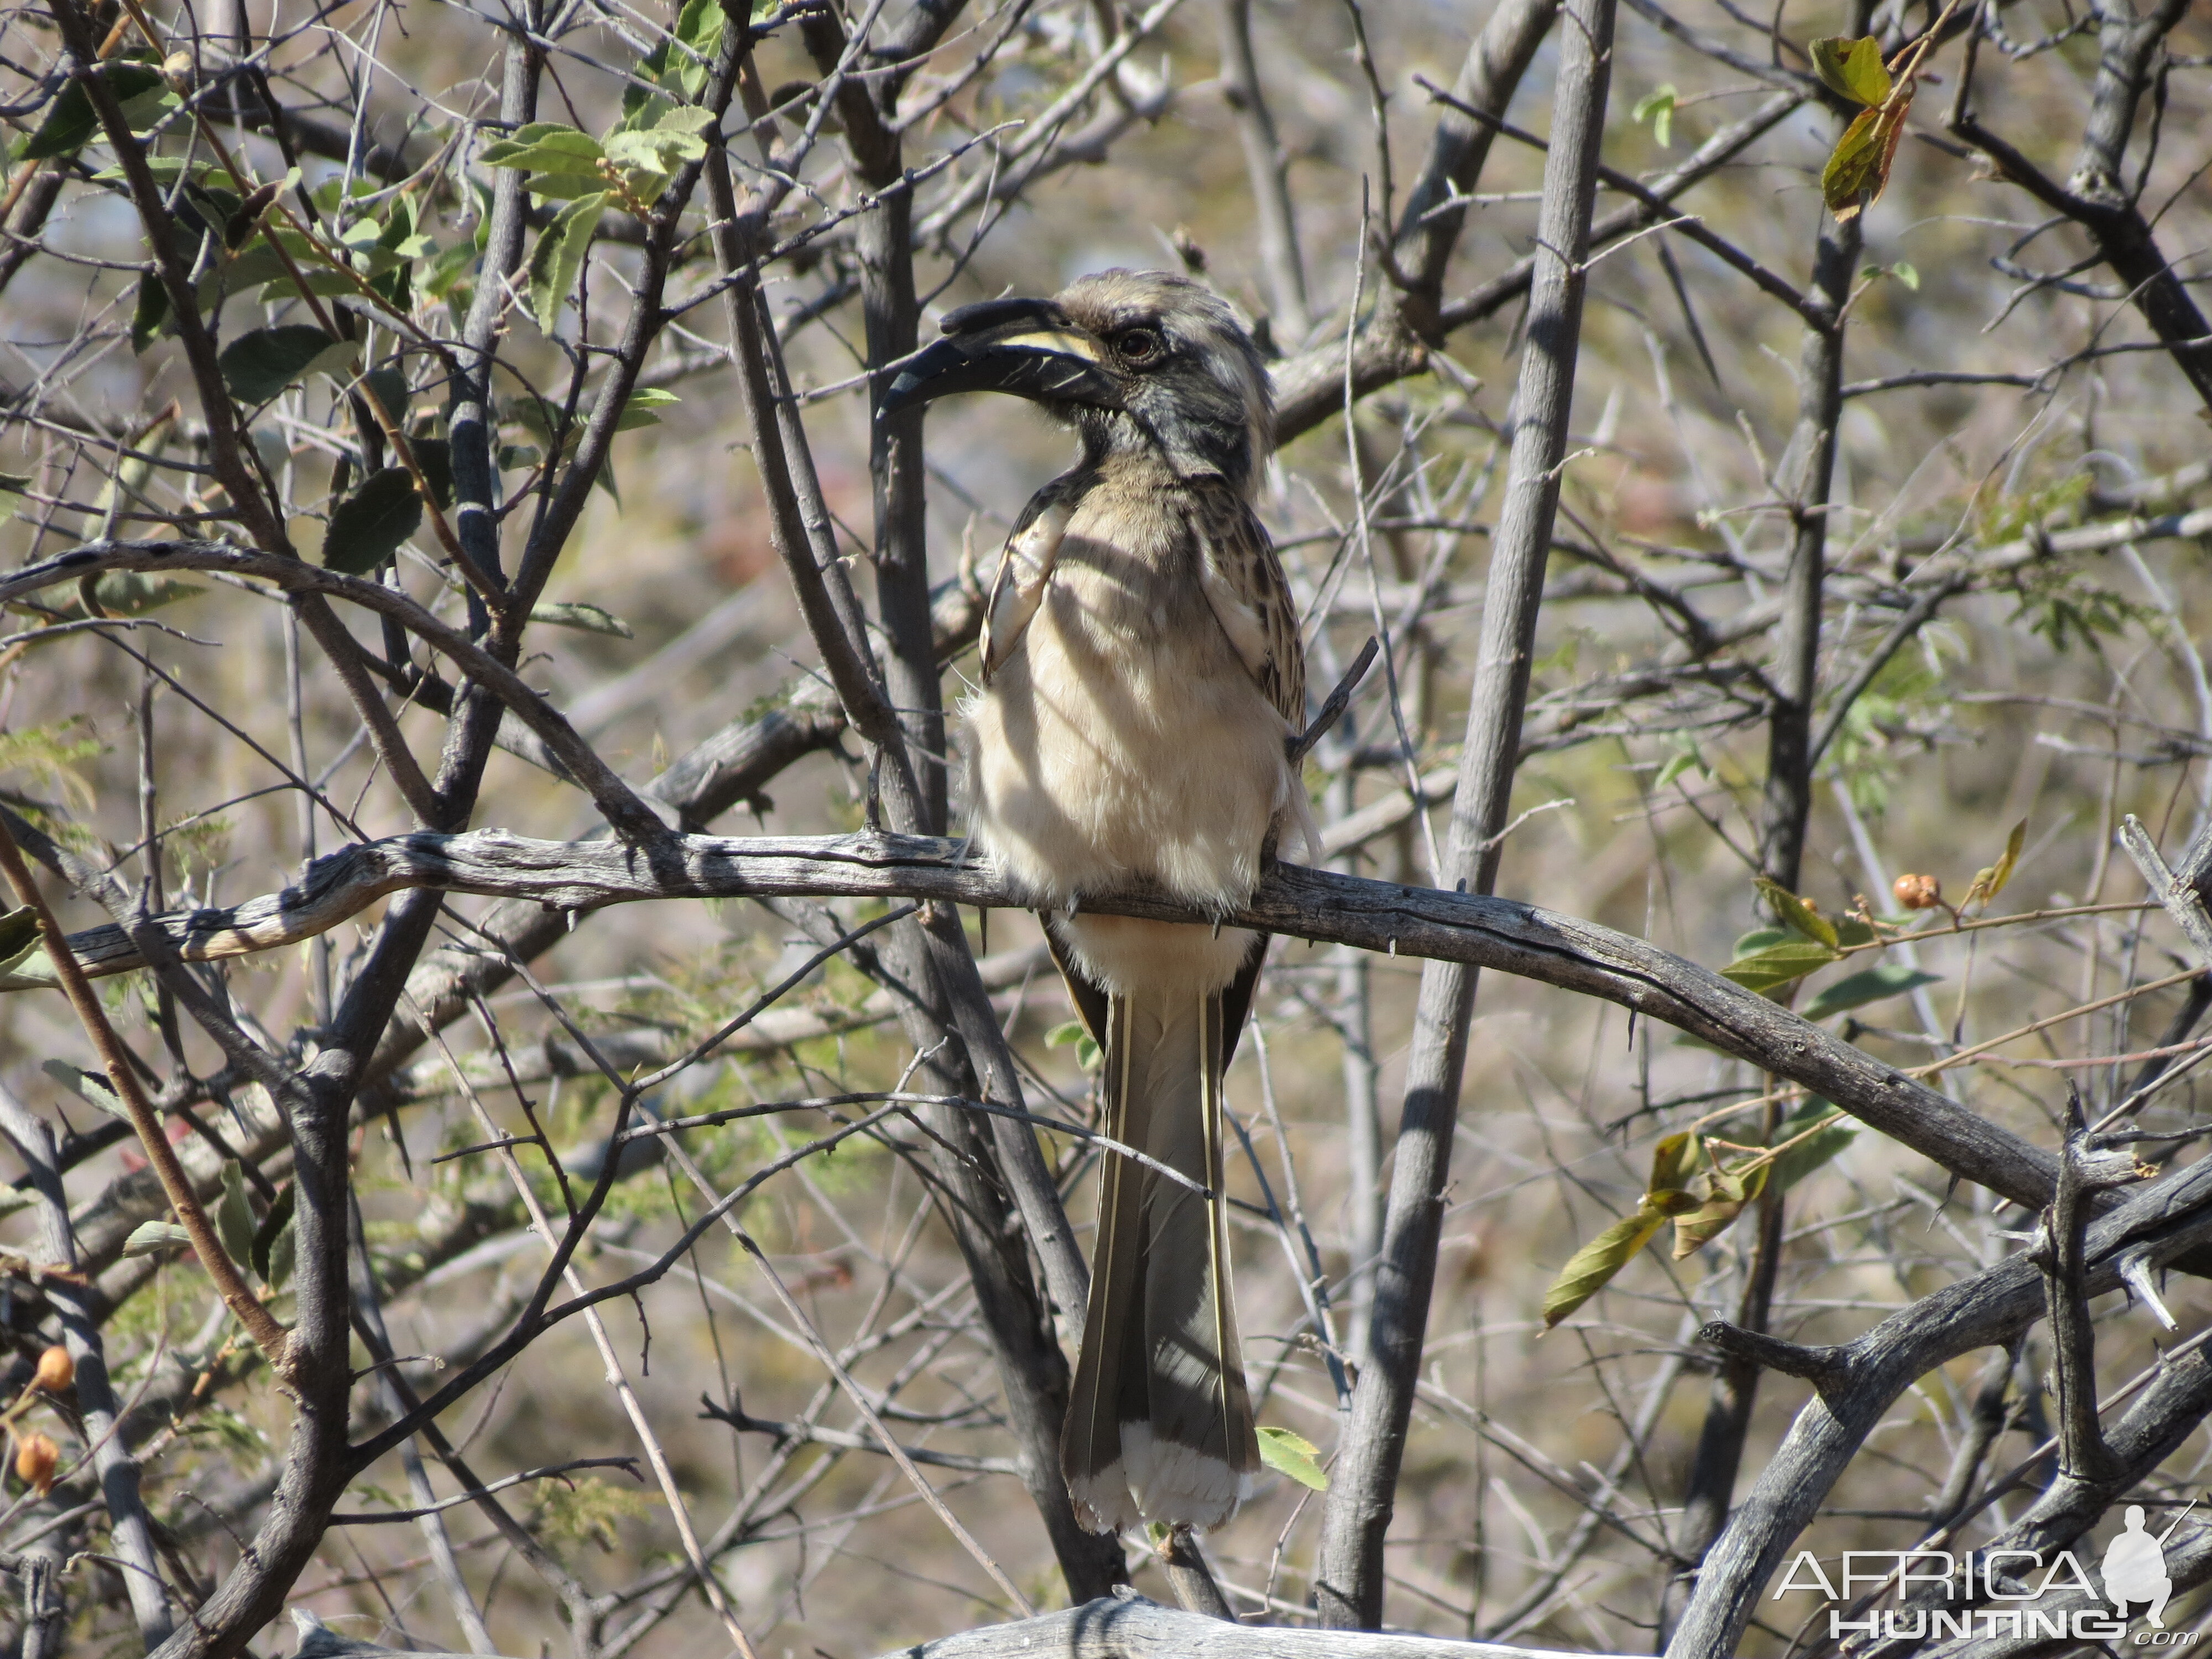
56,1371
1917,892
36,1459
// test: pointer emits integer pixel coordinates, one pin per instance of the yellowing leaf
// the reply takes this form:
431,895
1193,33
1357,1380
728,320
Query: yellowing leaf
1853,68
1859,171
1989,880
1727,1194
1295,1455
1589,1269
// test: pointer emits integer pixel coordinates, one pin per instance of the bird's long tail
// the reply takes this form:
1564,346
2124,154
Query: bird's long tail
1159,1424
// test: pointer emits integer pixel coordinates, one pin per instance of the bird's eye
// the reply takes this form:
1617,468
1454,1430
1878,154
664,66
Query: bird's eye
1139,345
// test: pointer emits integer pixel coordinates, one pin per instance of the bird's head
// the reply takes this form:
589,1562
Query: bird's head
1140,362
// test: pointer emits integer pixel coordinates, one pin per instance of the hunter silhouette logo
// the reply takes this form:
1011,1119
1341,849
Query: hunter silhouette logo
2134,1567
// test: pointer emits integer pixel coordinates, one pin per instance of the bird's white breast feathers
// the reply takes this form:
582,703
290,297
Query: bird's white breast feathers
1121,733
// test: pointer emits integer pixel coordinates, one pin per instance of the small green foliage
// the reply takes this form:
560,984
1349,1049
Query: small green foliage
18,937
2056,502
152,1237
1770,959
1074,1032
2066,608
272,1246
72,122
558,259
1657,107
1852,68
367,528
49,754
150,317
564,1512
1295,1455
1799,915
1810,1138
1887,979
1686,755
1593,1266
257,367
233,1215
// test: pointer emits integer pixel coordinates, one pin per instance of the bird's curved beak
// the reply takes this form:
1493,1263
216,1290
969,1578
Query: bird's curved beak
1026,346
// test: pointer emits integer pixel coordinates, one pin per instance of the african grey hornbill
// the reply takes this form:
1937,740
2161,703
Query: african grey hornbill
1141,672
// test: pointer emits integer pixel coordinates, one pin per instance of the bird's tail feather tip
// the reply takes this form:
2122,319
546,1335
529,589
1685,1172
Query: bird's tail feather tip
1182,1486
1102,1499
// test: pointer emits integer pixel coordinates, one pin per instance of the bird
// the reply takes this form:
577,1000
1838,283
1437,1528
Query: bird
1141,676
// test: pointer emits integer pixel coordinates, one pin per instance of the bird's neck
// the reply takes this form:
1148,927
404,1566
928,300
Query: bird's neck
1191,453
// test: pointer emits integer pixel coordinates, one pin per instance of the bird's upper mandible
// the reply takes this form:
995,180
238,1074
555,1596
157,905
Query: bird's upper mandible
1130,358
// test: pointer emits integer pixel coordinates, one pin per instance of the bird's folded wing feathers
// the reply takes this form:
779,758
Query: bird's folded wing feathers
1025,574
1243,583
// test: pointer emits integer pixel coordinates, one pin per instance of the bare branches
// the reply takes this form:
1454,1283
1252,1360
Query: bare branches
1349,1580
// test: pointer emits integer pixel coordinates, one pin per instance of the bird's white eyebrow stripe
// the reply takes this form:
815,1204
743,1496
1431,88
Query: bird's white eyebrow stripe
1058,340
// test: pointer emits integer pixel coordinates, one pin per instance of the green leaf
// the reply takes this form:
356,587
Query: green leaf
558,259
1796,913
90,1087
276,1228
234,1214
545,147
1810,1154
585,618
1589,1269
1777,965
1680,761
1853,68
1674,1163
564,187
1657,107
1074,1031
1295,1455
151,312
256,366
435,456
281,1249
699,27
72,122
1907,275
390,385
366,527
152,1237
1869,985
644,407
134,592
19,932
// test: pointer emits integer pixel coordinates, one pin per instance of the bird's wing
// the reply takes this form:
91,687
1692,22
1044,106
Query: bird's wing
1025,574
1243,583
